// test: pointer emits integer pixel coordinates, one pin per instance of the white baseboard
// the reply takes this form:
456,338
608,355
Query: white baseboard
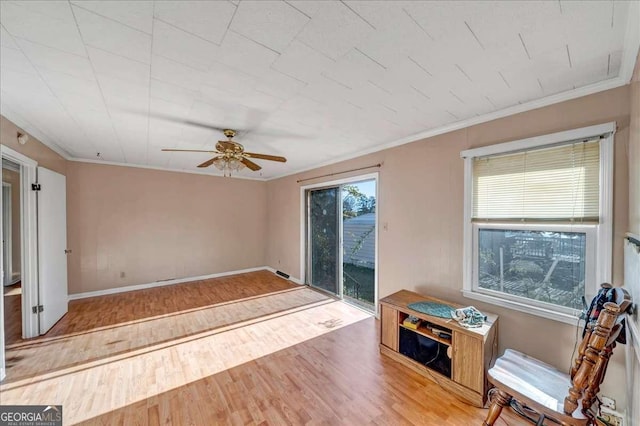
292,279
76,296
296,280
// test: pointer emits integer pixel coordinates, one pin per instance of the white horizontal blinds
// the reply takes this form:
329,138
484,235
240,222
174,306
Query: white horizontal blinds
556,184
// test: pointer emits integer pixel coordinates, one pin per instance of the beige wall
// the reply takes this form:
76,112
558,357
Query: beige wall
38,152
155,225
151,225
34,149
421,203
13,179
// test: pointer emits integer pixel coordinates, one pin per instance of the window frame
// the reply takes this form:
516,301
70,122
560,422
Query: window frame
600,235
590,232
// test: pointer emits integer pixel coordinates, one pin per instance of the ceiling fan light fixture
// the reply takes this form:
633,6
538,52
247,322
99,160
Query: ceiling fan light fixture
235,164
230,156
220,163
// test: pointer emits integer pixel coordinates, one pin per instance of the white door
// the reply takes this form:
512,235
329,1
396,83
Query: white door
52,245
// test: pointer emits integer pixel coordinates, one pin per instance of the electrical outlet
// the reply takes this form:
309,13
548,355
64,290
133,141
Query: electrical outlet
608,402
610,417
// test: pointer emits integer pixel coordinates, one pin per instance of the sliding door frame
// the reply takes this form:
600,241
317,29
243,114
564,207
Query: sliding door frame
309,270
304,229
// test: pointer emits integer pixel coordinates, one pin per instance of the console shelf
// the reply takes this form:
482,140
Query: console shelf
426,333
458,364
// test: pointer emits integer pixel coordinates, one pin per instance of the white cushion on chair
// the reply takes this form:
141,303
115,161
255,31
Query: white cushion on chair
534,379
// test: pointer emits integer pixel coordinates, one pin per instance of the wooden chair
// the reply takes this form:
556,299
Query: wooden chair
540,392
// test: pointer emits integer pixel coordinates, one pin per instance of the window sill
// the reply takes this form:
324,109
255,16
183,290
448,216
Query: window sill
517,306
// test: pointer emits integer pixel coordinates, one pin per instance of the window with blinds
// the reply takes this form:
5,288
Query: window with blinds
538,228
559,184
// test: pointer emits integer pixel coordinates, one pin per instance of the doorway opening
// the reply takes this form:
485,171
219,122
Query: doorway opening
11,251
28,251
341,239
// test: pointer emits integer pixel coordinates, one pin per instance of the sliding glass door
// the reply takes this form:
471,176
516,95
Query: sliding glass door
324,241
359,243
341,241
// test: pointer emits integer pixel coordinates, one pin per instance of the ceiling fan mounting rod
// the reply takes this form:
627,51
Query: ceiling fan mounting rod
229,133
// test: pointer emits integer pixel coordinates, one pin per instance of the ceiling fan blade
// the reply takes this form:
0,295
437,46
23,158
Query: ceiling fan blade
256,116
201,125
167,117
207,163
266,157
185,150
250,164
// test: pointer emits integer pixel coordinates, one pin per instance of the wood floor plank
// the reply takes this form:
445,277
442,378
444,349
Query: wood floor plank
294,387
315,364
27,359
91,313
12,313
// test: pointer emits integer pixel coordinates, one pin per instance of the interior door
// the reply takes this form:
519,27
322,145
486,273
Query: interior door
324,238
52,245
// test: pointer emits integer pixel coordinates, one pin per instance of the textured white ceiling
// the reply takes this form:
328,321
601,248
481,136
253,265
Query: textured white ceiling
314,81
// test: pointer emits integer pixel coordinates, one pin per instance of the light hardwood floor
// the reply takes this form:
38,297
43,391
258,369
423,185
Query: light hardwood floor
12,313
256,349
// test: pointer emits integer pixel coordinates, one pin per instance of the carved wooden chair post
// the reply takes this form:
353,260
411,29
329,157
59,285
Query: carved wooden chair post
593,361
527,384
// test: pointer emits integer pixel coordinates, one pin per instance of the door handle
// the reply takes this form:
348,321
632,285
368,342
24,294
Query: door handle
67,251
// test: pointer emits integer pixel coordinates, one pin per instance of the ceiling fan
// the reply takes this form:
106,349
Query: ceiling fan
231,155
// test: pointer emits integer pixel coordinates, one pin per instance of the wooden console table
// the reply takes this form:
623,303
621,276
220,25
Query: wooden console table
459,363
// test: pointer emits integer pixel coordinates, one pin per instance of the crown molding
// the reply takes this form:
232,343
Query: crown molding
516,109
462,124
628,62
627,66
162,169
